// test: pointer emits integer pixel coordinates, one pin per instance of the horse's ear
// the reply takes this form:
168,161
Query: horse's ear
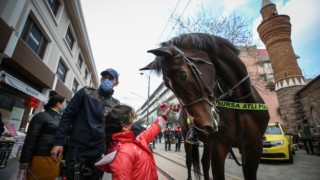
163,51
150,66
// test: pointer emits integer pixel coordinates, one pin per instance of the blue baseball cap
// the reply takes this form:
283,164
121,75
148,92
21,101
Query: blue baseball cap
112,72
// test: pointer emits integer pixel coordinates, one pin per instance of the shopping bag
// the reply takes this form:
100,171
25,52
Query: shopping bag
19,174
172,139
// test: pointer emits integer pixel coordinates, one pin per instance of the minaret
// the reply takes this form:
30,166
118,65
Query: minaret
275,32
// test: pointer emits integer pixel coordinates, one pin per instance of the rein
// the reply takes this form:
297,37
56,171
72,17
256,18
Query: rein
213,102
230,91
197,73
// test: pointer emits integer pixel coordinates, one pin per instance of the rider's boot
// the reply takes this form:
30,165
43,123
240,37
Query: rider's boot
193,137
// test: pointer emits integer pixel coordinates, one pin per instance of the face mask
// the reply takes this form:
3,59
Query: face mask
64,108
106,85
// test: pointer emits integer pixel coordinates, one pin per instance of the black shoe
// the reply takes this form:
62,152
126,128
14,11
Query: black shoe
192,138
192,142
175,151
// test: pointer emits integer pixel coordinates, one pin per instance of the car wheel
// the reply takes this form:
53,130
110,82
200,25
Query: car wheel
290,156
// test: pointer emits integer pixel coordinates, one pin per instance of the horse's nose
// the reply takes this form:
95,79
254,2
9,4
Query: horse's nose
209,130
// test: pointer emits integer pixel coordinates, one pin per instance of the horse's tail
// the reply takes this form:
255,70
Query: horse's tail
196,161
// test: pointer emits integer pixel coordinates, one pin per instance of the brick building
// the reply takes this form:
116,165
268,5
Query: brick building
296,100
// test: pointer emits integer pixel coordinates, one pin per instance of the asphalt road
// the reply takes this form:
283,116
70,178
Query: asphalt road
305,167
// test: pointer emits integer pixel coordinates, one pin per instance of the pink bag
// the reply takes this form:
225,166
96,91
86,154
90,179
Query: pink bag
19,174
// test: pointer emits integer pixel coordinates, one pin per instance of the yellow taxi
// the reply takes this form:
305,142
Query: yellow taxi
277,145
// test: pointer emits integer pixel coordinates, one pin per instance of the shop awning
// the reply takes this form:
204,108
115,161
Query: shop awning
12,81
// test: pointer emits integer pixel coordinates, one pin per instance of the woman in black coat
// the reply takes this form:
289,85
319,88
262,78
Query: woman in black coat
36,150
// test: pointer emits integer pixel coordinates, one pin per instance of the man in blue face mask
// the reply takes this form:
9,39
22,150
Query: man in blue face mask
109,79
82,123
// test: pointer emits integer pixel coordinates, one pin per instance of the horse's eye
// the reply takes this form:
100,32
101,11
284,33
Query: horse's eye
181,76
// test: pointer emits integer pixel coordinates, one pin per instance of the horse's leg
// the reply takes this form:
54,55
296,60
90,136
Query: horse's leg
196,161
205,160
252,160
188,149
219,153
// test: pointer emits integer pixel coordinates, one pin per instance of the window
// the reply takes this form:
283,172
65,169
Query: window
85,74
32,35
69,38
79,61
75,86
54,5
62,71
273,129
268,77
267,65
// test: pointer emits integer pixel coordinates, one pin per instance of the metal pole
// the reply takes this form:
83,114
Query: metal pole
148,101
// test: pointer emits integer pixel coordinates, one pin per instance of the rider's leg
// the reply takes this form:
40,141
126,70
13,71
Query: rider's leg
193,137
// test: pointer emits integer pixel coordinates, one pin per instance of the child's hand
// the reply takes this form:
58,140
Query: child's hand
166,108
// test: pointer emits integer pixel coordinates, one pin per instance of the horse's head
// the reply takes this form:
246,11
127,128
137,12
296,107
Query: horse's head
190,74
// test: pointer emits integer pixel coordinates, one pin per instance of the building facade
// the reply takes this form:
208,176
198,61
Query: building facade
44,50
308,103
260,70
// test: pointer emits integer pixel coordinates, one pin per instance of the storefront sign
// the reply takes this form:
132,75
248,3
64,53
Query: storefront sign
12,81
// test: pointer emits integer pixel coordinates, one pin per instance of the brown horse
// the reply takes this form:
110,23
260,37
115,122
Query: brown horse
203,70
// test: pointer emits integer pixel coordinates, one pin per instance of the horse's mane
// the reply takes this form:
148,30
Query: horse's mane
201,41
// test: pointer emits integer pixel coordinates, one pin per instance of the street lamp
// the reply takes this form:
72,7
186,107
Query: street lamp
148,100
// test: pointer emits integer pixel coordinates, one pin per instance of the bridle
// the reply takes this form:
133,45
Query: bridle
200,81
197,73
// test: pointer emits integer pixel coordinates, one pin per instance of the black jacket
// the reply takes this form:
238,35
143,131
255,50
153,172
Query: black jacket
178,132
84,119
40,135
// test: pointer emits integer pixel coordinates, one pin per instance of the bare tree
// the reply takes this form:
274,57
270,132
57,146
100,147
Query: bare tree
236,27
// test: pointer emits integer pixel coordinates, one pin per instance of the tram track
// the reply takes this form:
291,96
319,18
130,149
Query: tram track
171,166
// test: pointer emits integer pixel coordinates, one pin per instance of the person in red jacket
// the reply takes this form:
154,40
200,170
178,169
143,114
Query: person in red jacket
128,156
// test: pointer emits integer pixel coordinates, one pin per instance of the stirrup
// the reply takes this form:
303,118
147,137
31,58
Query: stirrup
192,141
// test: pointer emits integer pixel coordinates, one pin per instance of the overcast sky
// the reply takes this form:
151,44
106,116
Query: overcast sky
121,32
